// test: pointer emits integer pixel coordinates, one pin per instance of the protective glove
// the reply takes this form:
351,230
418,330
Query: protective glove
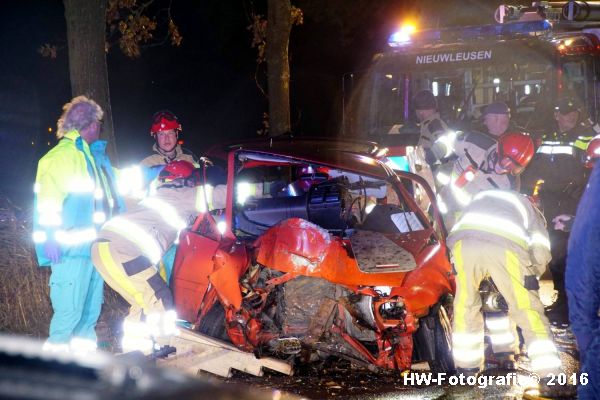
52,251
563,222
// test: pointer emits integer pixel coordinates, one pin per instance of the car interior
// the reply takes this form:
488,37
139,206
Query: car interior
270,189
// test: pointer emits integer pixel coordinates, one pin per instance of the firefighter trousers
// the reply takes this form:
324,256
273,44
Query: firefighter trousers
474,260
133,276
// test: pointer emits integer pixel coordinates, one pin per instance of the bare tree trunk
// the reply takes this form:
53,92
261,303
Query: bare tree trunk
86,33
279,26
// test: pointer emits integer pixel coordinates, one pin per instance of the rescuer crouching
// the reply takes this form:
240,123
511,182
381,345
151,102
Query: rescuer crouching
129,247
502,235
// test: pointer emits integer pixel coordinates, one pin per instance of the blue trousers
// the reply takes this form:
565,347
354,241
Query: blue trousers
76,294
591,366
167,263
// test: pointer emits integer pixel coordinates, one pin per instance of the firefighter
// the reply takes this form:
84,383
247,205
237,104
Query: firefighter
582,281
165,130
496,118
73,196
129,247
501,235
432,127
482,163
557,174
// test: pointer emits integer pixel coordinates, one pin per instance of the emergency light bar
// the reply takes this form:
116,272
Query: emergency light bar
400,38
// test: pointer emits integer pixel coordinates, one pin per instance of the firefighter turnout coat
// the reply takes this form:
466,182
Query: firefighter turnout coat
432,129
469,174
159,158
503,236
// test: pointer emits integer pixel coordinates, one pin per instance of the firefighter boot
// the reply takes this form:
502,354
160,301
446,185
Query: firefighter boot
506,361
558,312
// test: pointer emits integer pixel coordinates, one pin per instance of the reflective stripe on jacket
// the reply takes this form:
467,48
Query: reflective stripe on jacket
494,214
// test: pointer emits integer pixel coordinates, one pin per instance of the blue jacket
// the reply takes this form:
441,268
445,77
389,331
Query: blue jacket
582,279
74,194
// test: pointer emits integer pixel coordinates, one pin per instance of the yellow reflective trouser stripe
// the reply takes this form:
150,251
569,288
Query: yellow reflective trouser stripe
117,274
461,281
522,295
162,271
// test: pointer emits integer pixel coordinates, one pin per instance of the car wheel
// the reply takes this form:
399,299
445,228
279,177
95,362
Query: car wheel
443,361
213,323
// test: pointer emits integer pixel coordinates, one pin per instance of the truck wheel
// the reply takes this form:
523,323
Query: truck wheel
443,361
213,323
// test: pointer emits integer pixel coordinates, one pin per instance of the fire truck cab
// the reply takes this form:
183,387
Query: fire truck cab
528,59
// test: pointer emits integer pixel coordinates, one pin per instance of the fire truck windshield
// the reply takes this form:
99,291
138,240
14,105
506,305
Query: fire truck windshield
528,74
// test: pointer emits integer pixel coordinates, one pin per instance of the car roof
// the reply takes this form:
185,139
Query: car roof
350,154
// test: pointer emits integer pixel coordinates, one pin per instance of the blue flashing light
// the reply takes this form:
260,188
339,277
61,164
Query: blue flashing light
470,32
399,38
512,28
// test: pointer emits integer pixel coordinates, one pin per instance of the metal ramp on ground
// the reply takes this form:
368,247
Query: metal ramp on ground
197,352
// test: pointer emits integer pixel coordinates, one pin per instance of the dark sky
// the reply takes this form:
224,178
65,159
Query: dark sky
208,82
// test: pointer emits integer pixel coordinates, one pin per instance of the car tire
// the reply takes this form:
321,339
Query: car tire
443,361
213,323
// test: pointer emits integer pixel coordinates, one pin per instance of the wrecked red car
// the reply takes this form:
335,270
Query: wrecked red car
322,251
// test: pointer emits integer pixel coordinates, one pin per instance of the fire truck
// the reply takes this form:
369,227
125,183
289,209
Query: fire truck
529,58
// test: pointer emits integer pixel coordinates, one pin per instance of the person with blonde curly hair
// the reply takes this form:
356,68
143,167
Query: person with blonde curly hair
74,196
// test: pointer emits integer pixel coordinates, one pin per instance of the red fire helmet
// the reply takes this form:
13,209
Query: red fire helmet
163,121
178,169
592,152
517,146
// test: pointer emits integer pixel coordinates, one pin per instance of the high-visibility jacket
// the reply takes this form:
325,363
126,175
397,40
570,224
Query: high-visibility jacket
558,170
509,215
74,195
152,226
